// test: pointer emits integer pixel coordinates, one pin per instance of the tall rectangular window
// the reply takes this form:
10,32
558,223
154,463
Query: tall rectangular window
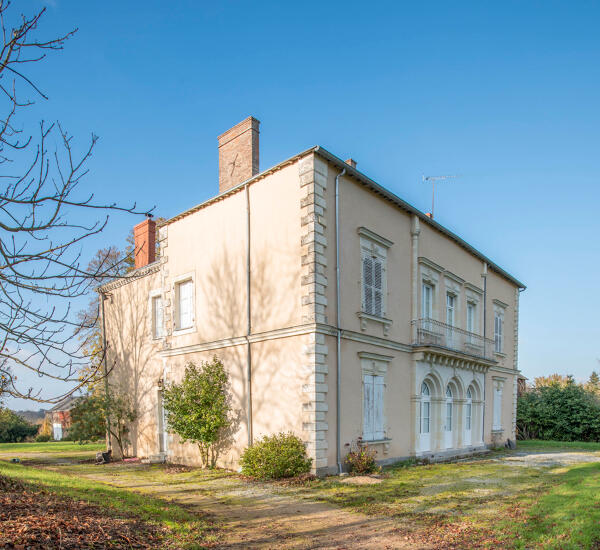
427,301
185,305
157,317
497,407
373,386
468,416
450,309
498,332
373,285
471,317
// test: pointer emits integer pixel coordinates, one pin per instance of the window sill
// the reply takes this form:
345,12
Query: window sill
365,317
376,441
500,354
497,430
182,331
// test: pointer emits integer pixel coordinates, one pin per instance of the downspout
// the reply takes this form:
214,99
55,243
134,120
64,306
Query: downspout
338,433
104,353
249,321
484,276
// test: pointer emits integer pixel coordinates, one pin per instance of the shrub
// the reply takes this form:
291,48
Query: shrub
361,460
198,409
563,411
43,438
275,457
13,428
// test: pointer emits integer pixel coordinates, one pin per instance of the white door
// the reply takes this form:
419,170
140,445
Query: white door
425,419
468,418
448,425
57,429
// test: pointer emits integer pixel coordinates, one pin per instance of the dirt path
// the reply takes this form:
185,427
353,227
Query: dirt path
253,516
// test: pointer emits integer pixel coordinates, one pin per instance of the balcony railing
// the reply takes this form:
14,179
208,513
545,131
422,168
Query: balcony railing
441,335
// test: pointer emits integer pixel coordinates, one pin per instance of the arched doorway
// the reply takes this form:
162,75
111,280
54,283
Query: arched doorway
425,418
449,420
468,417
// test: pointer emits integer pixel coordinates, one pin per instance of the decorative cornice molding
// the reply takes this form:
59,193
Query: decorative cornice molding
430,264
453,277
364,232
500,303
474,288
130,277
375,356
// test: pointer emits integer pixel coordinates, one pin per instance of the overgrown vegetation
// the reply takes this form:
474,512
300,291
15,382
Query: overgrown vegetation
14,428
557,408
276,456
198,409
361,459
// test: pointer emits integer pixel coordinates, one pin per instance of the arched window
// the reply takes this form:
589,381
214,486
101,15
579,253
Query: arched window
448,409
469,412
425,408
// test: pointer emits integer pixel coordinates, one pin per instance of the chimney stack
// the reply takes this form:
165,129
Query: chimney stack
238,154
351,162
144,236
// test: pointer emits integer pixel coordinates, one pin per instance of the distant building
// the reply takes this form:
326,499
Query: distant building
340,311
60,417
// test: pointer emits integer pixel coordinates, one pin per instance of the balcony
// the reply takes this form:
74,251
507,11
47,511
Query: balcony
431,333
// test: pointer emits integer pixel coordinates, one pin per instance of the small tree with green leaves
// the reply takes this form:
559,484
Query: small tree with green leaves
198,409
87,419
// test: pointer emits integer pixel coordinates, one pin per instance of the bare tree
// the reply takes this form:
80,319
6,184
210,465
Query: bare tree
45,218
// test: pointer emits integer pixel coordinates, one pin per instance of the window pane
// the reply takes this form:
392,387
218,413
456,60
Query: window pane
468,416
425,417
448,417
368,389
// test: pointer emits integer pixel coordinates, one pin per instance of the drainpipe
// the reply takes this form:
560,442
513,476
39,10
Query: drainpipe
484,276
103,297
249,321
338,436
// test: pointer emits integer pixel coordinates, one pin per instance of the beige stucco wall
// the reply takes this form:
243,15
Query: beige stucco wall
294,312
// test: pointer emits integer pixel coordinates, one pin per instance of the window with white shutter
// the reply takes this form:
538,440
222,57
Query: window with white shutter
497,405
373,283
373,388
498,332
185,304
157,317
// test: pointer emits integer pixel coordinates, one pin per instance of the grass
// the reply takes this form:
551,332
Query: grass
481,503
51,447
559,446
185,528
566,517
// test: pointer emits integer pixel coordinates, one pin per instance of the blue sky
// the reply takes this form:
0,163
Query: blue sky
504,94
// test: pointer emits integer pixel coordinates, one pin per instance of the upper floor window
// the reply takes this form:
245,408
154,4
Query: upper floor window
450,309
373,271
184,317
157,317
471,309
427,301
498,331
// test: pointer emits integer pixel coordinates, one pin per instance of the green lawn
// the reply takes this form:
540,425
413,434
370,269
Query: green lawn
486,502
185,529
51,447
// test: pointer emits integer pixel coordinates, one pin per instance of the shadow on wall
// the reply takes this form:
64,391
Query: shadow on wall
136,367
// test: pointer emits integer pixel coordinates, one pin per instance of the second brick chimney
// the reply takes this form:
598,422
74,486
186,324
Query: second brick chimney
144,236
238,154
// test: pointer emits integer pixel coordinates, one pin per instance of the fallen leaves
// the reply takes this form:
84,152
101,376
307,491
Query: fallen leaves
33,518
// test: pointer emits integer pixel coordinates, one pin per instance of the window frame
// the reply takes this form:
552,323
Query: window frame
374,372
374,248
182,279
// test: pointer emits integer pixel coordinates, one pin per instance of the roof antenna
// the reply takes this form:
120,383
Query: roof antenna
433,179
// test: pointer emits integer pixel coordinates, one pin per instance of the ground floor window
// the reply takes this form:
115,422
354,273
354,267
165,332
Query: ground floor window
373,386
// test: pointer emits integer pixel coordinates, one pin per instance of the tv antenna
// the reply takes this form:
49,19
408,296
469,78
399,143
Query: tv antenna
433,179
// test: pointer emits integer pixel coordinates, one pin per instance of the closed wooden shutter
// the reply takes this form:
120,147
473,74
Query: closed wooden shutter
368,284
368,391
377,287
378,387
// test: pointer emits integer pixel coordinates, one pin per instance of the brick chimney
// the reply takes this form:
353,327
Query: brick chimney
238,154
144,236
351,162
